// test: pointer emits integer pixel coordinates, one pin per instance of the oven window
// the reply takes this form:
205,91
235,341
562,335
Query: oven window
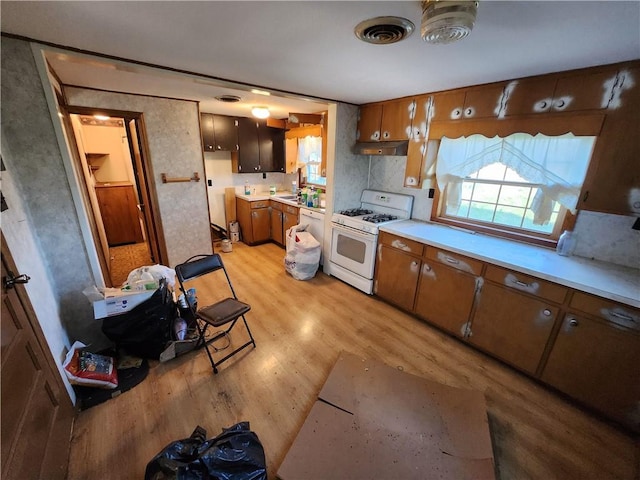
351,248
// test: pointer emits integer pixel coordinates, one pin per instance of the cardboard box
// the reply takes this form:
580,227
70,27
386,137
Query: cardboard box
117,302
374,421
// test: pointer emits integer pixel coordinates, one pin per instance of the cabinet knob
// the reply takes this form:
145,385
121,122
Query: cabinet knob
385,135
546,312
469,112
456,113
414,264
573,322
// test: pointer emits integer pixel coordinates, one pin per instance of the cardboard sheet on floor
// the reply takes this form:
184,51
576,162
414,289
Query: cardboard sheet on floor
375,421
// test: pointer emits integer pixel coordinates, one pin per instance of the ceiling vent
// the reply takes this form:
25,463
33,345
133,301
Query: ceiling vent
445,21
228,98
384,30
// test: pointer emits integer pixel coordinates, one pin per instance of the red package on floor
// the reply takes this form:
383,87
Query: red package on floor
90,369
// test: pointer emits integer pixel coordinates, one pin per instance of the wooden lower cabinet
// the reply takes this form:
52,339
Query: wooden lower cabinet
598,363
445,296
290,217
397,276
254,220
512,326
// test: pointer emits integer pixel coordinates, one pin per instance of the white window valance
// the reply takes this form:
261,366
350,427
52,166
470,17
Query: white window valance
557,164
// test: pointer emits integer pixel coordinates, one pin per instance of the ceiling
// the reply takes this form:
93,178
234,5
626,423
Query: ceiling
308,48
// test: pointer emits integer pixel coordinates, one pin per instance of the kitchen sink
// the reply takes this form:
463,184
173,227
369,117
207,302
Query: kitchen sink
288,197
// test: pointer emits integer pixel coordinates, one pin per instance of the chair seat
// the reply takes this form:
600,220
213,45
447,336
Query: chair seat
223,312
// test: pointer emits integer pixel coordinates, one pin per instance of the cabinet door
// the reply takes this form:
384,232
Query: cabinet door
421,117
586,91
291,153
512,326
369,121
599,364
289,218
396,119
445,296
277,234
396,278
271,149
533,95
208,137
248,146
243,215
483,102
260,224
226,133
613,179
448,106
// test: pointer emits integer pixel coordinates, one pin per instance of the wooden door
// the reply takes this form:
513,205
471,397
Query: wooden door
248,146
369,121
396,278
289,218
512,326
597,363
278,149
226,133
119,214
291,149
243,214
208,136
37,414
445,296
260,224
396,119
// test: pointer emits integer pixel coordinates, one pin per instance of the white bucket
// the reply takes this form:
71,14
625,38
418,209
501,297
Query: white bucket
234,227
226,246
235,237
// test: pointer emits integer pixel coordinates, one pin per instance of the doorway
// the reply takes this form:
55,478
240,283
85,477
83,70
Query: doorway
112,157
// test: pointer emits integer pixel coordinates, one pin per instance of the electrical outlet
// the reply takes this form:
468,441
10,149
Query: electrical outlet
432,192
264,175
210,183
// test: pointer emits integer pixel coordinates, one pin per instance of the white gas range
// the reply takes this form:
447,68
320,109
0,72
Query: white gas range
354,235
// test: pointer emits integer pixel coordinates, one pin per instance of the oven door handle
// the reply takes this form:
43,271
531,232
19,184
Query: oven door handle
354,232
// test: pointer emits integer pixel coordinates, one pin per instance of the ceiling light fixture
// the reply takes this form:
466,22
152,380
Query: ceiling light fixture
260,112
101,117
260,92
228,98
447,21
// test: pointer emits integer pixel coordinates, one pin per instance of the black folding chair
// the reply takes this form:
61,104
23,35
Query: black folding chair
223,312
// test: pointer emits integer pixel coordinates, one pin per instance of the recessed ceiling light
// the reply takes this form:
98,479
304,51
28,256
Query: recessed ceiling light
260,92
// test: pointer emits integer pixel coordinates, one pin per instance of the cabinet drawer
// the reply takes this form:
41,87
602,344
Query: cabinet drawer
454,260
609,310
290,209
527,284
401,243
260,204
276,205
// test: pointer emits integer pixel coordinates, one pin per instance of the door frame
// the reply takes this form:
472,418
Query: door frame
143,171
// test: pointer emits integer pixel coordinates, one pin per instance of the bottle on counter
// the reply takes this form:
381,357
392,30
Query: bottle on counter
247,188
294,187
316,198
272,190
310,195
566,243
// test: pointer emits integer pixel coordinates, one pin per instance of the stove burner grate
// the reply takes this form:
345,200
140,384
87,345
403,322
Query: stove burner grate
355,212
379,218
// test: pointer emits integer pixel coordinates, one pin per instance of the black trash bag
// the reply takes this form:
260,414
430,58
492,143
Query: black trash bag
146,330
235,454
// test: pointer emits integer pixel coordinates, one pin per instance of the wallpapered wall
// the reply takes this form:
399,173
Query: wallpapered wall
173,133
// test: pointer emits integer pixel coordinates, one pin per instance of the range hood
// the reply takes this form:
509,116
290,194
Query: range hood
381,148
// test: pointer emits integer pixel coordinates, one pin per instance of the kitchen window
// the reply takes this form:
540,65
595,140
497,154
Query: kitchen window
310,156
520,186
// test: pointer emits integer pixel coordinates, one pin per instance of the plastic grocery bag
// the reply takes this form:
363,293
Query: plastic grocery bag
89,369
235,454
303,253
158,272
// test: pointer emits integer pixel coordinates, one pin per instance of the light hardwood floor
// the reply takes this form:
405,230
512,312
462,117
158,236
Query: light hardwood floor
300,328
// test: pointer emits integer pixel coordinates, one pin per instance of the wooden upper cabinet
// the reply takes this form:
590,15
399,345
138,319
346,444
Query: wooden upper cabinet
397,116
248,146
208,136
483,101
561,93
369,121
612,184
448,105
226,133
385,121
421,117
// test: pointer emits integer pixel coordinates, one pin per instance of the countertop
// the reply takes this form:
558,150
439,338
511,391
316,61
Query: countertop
278,197
615,282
